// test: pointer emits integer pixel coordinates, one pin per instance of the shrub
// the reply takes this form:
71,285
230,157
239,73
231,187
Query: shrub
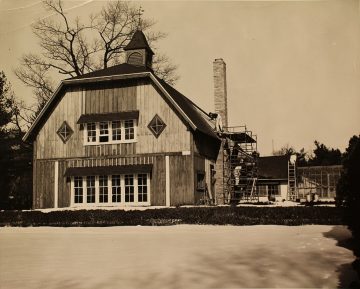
348,193
169,216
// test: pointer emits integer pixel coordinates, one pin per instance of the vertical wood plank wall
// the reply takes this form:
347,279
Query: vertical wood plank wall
174,138
181,180
44,185
103,98
64,185
158,193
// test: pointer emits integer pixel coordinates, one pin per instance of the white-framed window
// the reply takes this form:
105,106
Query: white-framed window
142,188
104,131
103,189
90,189
119,190
116,188
129,129
109,132
129,189
91,132
116,130
78,190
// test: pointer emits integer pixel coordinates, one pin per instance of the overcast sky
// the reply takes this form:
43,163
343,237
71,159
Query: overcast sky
293,67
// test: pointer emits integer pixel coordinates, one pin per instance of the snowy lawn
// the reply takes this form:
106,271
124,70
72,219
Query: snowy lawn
182,256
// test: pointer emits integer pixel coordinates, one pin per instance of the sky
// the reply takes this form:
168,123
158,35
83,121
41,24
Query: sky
293,67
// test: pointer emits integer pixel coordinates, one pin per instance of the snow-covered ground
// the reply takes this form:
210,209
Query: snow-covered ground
182,256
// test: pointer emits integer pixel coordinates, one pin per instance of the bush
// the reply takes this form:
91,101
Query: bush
290,216
348,193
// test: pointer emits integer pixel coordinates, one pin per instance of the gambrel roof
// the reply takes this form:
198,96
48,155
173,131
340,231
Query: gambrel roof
191,113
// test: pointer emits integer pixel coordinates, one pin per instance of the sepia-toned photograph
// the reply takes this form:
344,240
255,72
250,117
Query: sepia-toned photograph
179,144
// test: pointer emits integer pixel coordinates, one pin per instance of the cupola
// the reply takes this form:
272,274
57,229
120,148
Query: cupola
138,51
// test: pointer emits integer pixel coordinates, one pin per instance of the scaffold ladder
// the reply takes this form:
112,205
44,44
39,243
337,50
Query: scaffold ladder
292,188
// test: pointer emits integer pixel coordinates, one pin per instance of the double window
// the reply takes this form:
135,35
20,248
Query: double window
111,189
119,131
268,190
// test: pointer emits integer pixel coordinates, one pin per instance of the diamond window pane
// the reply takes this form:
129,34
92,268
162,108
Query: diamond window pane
65,132
156,126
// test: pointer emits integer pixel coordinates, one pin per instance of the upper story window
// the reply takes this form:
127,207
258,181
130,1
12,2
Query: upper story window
129,129
116,130
103,131
107,132
109,128
91,132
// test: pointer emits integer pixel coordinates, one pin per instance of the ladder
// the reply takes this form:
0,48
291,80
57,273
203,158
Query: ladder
292,188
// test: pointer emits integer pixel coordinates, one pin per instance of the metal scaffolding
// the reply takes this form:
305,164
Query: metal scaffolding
240,164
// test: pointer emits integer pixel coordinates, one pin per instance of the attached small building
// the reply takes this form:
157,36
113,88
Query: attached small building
121,136
273,178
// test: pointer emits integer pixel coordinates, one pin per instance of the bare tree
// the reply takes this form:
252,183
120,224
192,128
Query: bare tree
71,48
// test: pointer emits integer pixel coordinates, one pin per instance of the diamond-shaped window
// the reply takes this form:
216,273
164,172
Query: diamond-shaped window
156,126
65,132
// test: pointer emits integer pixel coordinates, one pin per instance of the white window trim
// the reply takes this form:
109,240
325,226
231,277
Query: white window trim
122,202
111,141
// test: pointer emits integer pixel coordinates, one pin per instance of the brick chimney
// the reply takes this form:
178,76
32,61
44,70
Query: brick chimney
220,99
220,95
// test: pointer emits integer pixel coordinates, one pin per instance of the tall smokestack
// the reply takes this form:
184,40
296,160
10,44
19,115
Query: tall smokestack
220,98
220,95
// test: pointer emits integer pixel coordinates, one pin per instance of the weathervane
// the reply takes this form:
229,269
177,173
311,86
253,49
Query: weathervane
140,12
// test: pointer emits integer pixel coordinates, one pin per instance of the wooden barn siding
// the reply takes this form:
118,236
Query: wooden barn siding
44,185
181,180
64,185
183,171
49,144
110,150
34,171
111,98
158,186
174,138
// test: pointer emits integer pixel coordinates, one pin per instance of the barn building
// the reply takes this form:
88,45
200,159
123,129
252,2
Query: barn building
121,136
